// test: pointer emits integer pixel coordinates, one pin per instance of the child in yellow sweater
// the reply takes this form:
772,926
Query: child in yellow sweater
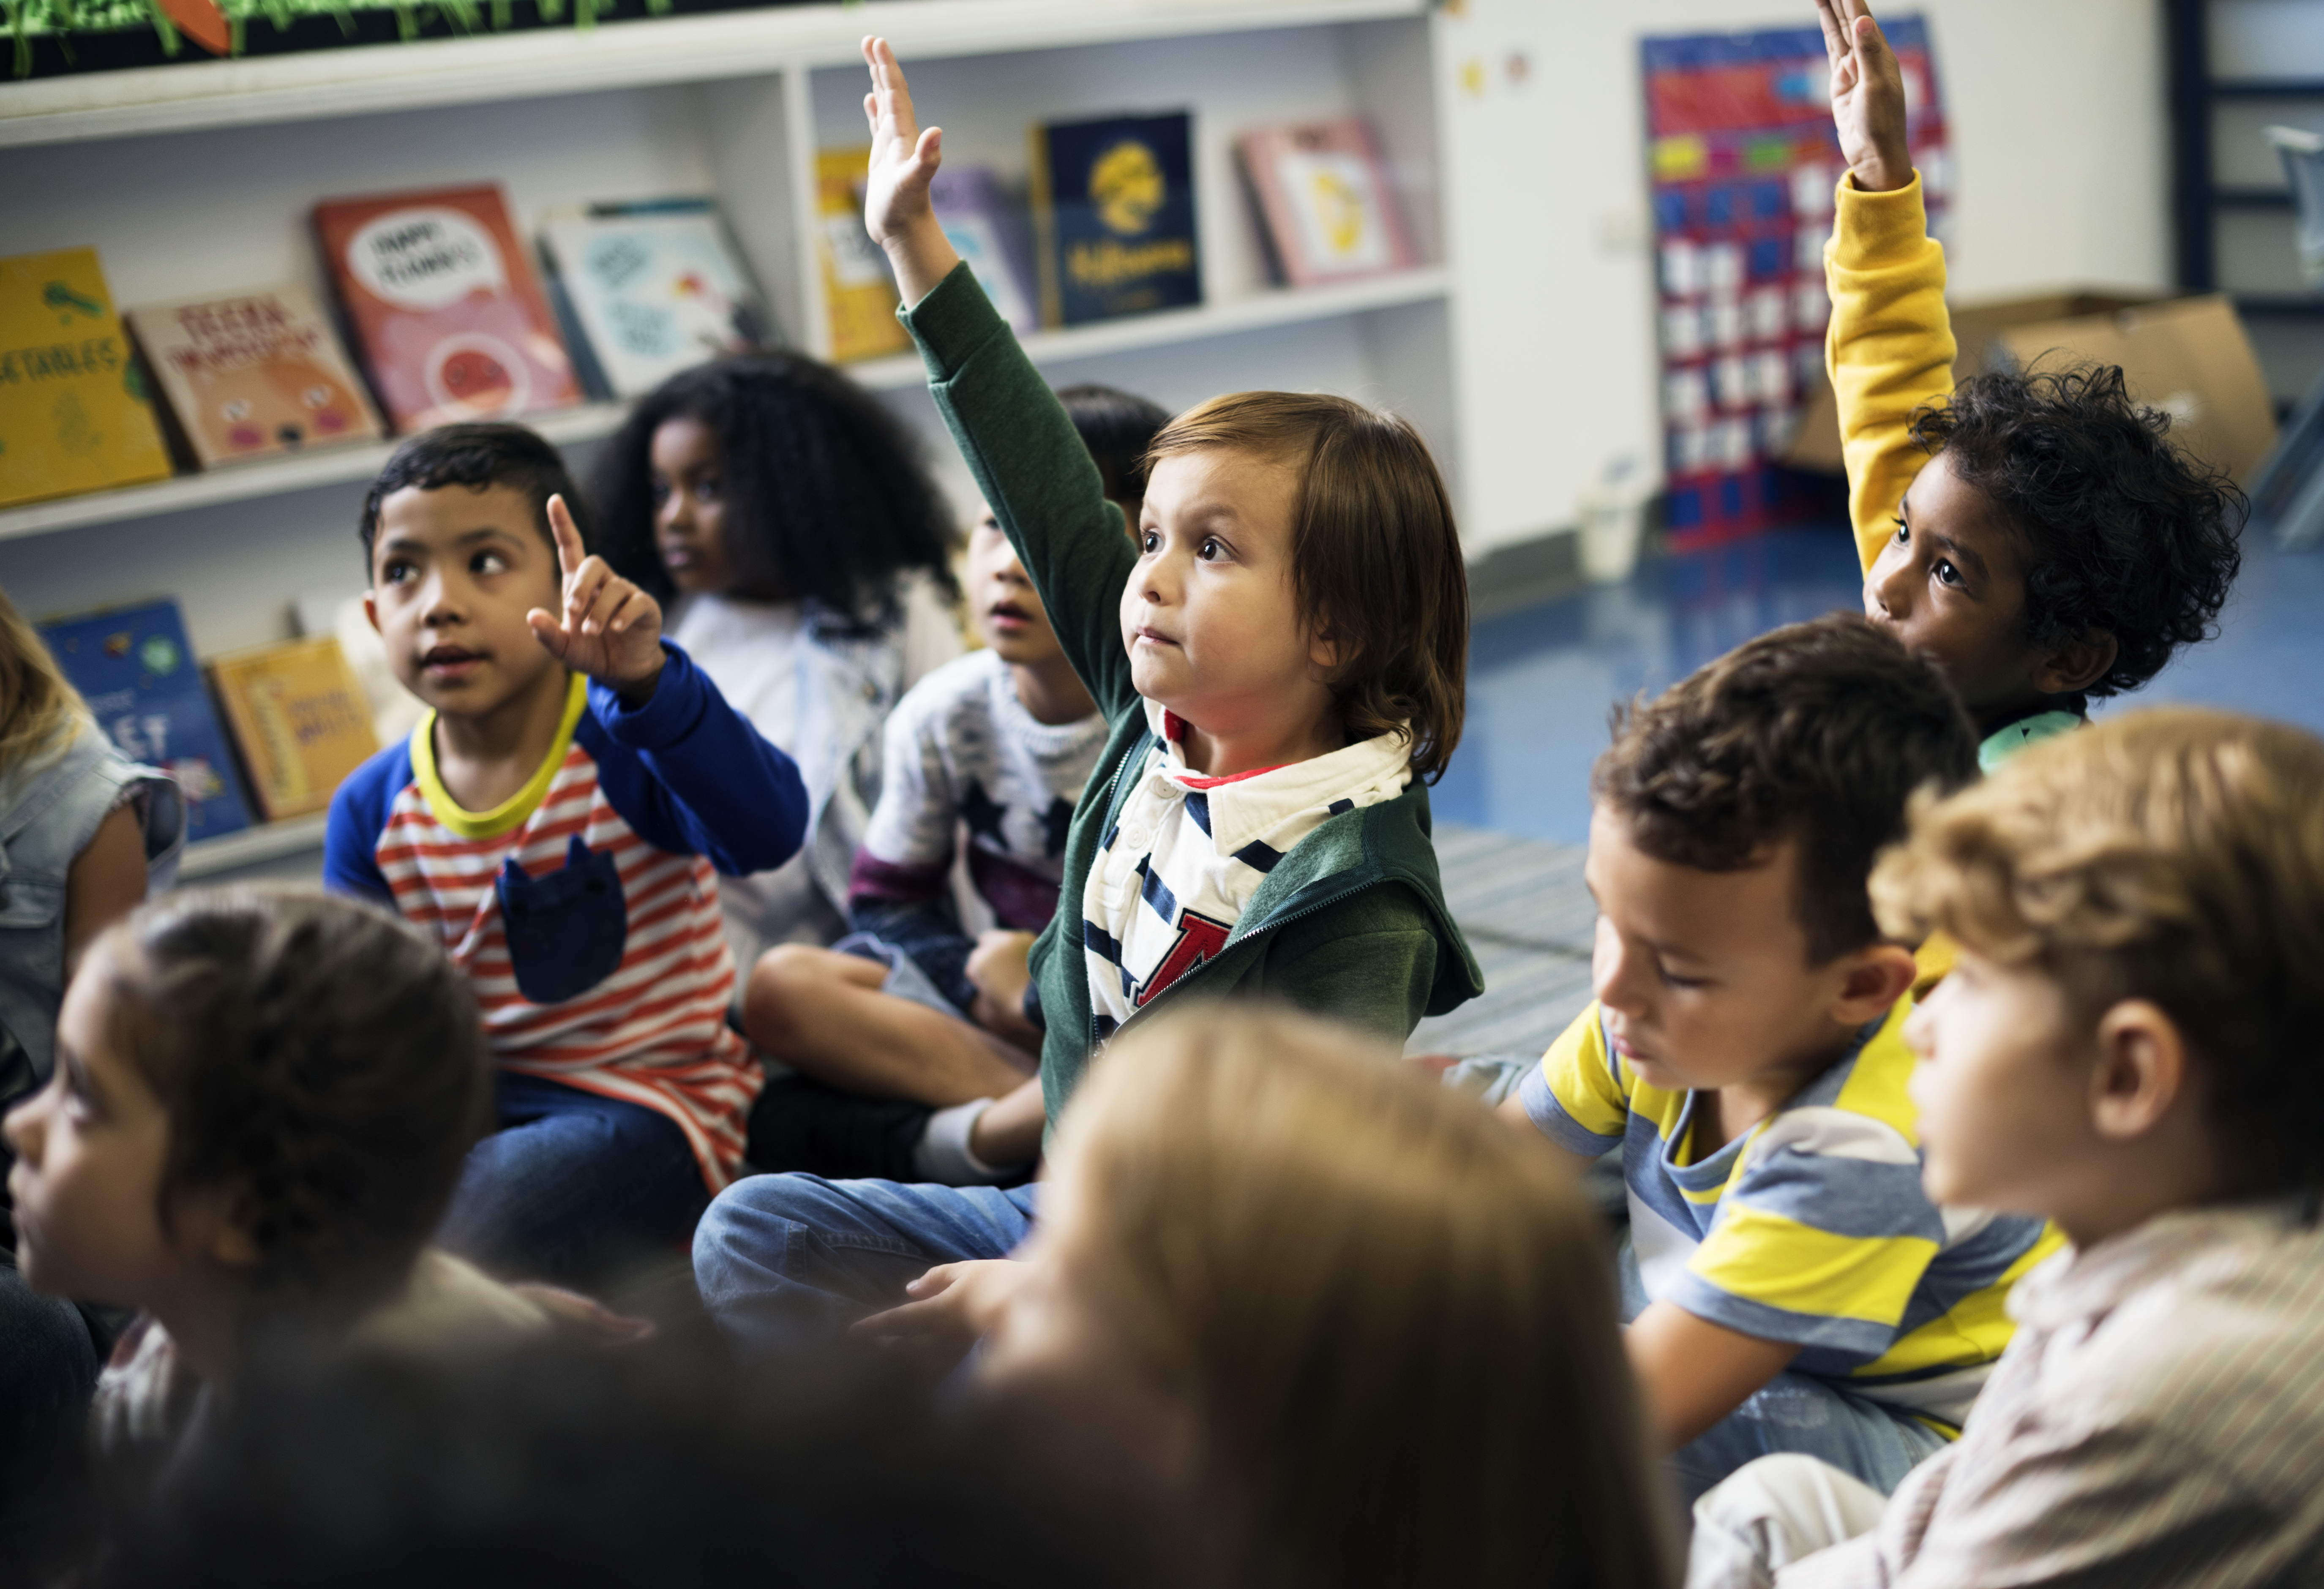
2039,536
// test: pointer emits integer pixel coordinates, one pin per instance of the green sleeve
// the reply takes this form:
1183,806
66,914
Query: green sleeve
1036,475
1377,979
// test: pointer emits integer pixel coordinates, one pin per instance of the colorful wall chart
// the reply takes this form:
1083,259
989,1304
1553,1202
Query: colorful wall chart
1742,159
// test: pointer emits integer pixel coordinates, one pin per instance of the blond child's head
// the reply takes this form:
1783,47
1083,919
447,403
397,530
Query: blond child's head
39,711
2133,1022
1300,549
1341,1307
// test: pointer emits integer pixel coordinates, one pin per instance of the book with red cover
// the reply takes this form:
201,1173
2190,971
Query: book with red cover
442,300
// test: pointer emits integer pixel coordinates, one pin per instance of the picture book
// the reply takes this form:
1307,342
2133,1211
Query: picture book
74,412
299,718
859,291
988,231
134,668
654,289
252,374
1326,202
448,317
1114,203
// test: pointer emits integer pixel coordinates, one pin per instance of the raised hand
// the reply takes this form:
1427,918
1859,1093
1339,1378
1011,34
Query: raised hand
904,157
610,630
1868,95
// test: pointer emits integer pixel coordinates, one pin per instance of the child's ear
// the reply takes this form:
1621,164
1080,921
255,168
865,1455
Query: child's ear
371,611
2142,1072
2077,665
212,1222
1872,979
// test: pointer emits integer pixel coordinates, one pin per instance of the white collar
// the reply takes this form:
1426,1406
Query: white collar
1248,805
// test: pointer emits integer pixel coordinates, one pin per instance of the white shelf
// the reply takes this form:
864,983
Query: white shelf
623,54
1282,307
242,483
206,858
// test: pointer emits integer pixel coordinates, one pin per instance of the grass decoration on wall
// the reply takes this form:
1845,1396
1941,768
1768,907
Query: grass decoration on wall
60,36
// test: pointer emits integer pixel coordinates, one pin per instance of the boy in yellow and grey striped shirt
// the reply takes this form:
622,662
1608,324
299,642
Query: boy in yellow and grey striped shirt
1794,1288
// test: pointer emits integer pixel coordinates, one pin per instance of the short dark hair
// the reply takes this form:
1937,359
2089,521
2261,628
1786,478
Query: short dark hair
478,457
1818,733
1117,427
2126,531
320,1063
1376,561
828,499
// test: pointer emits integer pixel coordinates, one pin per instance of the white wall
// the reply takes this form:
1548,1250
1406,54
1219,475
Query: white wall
2060,132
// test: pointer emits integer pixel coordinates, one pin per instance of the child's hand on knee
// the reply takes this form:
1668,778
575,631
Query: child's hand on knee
998,970
1868,95
952,1307
897,211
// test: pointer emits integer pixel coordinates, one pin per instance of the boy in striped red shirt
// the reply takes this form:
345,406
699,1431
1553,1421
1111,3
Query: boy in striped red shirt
556,820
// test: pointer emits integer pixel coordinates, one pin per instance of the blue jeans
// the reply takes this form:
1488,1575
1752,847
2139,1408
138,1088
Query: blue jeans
572,1184
790,1260
1809,1417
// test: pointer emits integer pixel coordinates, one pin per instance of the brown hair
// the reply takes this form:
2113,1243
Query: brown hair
1375,556
2174,854
1818,733
39,711
1394,1314
319,1060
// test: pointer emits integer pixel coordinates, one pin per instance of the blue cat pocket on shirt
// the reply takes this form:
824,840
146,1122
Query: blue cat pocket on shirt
567,930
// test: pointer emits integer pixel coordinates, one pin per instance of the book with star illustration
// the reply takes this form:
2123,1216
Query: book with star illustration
1113,202
136,669
654,288
1326,200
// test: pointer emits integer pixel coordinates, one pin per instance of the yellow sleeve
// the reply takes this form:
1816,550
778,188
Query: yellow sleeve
1577,1096
1889,346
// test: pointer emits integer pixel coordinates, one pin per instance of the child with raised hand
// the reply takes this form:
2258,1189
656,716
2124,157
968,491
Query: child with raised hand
1281,1276
2039,536
260,1105
786,518
1789,1284
997,747
2127,1046
557,821
1280,659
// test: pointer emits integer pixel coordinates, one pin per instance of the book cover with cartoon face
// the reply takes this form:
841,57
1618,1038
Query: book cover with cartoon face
252,374
1115,201
443,300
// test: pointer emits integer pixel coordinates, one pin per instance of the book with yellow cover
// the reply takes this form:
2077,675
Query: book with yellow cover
299,718
74,414
859,293
253,374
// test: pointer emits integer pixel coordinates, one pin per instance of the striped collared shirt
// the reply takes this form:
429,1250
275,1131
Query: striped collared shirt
2158,1420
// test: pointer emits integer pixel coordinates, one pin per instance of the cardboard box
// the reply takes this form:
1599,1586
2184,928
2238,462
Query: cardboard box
2187,356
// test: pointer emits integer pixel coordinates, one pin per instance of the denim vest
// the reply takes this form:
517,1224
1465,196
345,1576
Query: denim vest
46,820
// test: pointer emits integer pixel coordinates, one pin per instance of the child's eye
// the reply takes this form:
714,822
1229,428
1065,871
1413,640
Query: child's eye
1212,549
1149,543
706,489
1903,531
1946,573
660,491
395,572
1673,979
488,563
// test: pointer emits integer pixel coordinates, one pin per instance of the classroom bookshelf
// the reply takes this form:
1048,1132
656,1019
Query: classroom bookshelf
200,177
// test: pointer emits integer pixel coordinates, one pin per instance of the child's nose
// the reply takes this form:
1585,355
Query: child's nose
22,1129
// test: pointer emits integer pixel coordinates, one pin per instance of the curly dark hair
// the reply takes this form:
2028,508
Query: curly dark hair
1819,731
826,496
2126,532
320,1063
479,456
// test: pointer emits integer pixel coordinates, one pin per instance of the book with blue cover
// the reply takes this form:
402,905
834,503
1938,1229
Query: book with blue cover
134,668
654,289
1115,200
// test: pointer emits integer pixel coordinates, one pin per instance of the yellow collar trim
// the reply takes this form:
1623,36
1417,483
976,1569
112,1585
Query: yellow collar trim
510,813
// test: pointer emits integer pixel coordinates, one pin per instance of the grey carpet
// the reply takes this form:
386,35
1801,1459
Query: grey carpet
1528,920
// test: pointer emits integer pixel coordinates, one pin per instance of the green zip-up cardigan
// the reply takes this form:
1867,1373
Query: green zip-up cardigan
1351,924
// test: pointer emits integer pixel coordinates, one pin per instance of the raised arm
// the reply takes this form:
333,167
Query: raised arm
1013,433
1890,344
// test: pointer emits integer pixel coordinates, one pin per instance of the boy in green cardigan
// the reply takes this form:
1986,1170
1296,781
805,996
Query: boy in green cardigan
1281,656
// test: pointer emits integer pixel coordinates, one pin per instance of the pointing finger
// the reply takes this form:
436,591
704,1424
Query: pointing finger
561,529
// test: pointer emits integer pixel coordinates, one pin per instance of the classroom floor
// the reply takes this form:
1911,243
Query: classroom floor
1542,678
1513,810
